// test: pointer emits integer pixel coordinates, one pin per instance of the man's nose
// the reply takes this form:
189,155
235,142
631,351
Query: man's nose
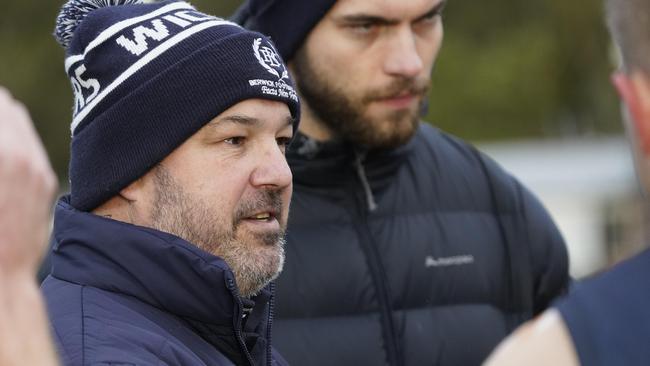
402,58
272,170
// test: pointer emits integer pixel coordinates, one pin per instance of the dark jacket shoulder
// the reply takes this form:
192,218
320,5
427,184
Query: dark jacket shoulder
120,294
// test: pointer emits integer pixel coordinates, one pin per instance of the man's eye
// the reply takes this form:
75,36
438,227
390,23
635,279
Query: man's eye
237,140
430,19
283,142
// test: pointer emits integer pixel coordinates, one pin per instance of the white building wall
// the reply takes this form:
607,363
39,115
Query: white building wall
574,179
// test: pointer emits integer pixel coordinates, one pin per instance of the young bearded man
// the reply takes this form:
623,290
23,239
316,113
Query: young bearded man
406,246
174,227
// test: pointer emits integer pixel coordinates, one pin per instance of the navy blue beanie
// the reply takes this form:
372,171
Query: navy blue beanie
146,77
287,22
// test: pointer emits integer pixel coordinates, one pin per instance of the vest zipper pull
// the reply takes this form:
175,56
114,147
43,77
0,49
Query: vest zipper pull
361,172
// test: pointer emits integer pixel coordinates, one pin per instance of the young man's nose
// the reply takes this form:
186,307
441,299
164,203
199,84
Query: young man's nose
402,56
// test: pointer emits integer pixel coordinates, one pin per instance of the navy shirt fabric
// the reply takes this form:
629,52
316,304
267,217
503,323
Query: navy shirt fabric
454,254
608,316
121,294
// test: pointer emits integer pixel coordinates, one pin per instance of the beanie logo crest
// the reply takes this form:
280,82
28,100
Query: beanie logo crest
268,57
270,60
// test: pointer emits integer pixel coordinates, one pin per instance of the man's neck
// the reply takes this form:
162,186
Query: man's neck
313,128
117,208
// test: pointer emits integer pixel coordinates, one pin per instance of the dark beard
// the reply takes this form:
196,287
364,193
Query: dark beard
344,115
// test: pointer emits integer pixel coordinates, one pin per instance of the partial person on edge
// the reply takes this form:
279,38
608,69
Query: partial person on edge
167,245
606,319
27,189
406,246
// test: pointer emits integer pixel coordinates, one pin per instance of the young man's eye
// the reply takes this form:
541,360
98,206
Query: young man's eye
362,29
431,18
236,140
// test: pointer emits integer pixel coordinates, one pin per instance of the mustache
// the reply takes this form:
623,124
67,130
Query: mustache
402,86
262,201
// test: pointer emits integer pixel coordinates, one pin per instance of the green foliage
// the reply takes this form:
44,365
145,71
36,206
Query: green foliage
507,69
515,69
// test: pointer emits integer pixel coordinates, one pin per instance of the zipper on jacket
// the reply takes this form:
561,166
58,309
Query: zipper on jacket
374,262
361,173
238,324
269,324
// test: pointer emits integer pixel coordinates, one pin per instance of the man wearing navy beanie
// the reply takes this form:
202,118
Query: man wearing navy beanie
406,246
167,245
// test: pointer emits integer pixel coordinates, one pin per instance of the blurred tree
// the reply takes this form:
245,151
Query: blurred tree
523,69
508,69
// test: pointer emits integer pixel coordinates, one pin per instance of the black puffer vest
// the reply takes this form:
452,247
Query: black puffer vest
429,254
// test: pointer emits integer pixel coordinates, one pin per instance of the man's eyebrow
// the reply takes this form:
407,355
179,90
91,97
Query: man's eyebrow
289,121
242,120
235,119
437,9
366,19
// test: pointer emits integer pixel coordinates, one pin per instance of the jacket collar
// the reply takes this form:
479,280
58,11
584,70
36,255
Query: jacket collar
330,164
157,268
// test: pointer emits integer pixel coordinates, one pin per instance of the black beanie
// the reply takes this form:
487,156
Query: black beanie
287,22
146,77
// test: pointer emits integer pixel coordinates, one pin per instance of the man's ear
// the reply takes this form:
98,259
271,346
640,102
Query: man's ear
134,191
634,90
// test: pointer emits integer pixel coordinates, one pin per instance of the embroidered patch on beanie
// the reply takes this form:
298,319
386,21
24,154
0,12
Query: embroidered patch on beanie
147,76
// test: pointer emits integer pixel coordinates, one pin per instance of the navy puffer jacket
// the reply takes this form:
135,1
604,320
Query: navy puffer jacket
429,254
121,294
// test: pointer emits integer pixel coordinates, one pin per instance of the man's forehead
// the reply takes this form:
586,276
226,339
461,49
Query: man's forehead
387,9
